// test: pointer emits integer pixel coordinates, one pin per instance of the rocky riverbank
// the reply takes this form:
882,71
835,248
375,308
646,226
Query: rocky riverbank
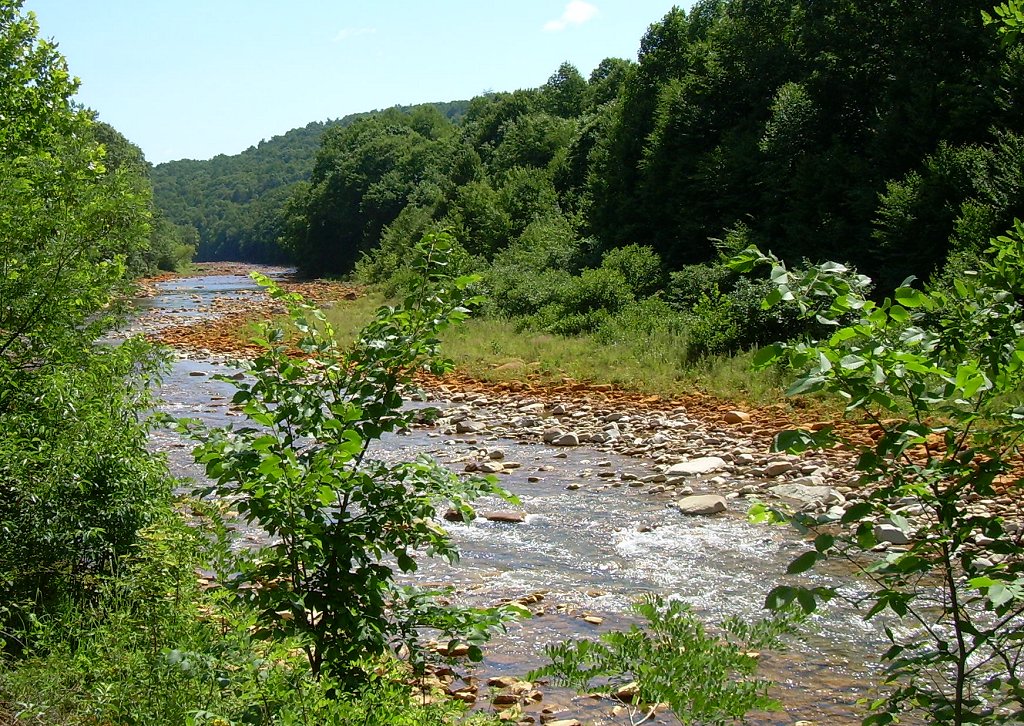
706,455
705,461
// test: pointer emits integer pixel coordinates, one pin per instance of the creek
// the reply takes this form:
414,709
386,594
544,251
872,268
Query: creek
589,549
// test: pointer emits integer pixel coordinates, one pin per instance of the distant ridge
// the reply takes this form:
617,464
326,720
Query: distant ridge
234,202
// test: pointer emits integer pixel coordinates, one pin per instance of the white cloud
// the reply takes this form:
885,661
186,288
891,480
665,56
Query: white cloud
346,33
576,12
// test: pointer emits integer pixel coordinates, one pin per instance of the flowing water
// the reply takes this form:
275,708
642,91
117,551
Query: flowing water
589,551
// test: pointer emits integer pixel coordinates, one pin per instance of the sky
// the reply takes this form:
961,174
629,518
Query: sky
196,78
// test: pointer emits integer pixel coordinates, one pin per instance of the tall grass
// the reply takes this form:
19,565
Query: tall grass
654,362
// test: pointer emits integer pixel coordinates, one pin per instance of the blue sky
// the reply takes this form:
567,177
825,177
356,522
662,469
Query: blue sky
196,78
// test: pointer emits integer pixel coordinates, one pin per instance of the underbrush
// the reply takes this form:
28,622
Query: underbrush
155,647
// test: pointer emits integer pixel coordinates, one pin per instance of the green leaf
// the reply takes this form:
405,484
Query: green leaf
780,597
824,542
852,362
767,355
806,384
857,512
806,600
908,297
803,563
899,314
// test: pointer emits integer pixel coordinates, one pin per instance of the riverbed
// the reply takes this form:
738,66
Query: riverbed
598,533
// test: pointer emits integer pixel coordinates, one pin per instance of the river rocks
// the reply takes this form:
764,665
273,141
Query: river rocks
627,693
701,504
890,534
505,517
569,439
551,434
694,467
805,494
467,426
735,417
775,468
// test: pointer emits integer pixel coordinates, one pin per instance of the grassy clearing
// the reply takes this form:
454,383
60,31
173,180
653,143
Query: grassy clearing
495,350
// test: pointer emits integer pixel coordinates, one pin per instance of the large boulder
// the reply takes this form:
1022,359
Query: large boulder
694,467
701,504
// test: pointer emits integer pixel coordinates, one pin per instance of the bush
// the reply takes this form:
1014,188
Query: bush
727,323
76,480
339,522
155,648
938,373
704,677
582,304
528,274
639,266
641,321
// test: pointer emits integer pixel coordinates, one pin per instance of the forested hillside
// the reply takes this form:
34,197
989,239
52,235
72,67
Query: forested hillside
887,135
234,203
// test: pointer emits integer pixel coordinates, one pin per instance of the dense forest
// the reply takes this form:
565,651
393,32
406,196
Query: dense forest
886,135
233,204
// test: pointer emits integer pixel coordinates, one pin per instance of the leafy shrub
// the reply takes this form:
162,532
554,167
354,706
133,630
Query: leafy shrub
640,266
581,304
726,323
687,286
959,199
525,195
155,648
339,522
76,482
76,479
527,275
704,677
939,374
642,320
712,326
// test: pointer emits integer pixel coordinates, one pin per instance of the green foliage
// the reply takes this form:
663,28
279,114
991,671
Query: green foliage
639,266
938,372
961,198
364,175
794,116
704,676
339,523
811,122
1009,17
76,482
641,323
155,648
565,92
170,246
532,140
235,203
722,309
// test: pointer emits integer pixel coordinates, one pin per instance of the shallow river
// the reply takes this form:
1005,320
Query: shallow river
592,552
